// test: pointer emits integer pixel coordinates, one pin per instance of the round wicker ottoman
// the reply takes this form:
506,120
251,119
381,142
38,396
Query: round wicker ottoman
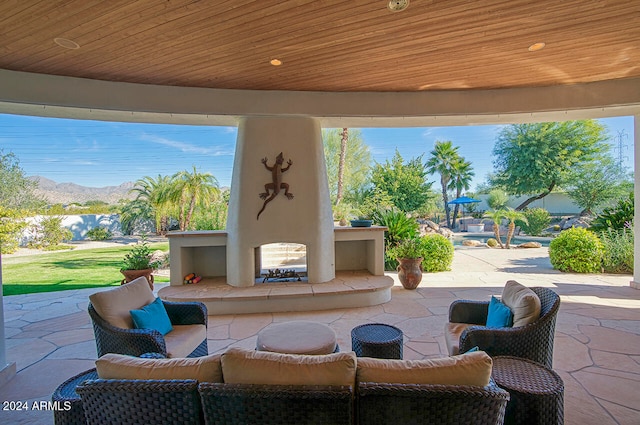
537,392
70,411
297,337
377,340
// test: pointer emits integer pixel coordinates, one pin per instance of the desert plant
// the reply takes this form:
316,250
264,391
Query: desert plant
139,258
576,250
512,215
437,253
538,219
617,217
99,234
50,232
496,216
406,248
492,243
497,199
618,250
399,225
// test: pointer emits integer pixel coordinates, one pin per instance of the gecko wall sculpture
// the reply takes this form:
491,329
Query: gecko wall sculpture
276,182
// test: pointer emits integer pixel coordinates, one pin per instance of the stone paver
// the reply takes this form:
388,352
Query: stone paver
597,347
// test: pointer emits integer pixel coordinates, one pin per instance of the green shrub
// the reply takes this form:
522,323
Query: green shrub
616,218
437,253
50,232
538,219
99,234
492,243
576,250
618,250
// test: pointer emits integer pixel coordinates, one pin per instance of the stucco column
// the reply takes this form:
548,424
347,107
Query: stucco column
7,370
635,283
306,218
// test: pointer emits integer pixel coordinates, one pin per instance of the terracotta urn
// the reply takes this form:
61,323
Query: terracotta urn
130,275
410,272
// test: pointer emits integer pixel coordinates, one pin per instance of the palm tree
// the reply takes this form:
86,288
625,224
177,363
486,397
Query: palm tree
461,175
512,215
443,158
343,155
193,189
496,216
155,193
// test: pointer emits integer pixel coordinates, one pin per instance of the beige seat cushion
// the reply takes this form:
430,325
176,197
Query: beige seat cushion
523,302
183,339
240,366
114,305
466,369
119,366
297,337
452,332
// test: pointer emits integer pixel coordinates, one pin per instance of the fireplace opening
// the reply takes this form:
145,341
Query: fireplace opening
281,262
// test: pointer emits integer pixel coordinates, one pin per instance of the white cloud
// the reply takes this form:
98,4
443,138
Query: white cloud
186,147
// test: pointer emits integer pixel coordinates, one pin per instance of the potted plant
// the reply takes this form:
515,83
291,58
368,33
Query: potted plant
138,263
408,252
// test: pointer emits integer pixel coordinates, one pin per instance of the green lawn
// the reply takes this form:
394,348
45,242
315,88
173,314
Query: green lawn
60,271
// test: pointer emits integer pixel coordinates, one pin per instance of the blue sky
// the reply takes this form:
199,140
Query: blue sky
97,154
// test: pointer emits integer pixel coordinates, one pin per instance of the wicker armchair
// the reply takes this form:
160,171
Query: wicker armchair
134,342
382,404
533,341
245,404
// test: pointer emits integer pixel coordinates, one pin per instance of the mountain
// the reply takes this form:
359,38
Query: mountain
66,193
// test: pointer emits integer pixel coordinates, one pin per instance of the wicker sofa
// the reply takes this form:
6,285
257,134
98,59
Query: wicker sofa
188,401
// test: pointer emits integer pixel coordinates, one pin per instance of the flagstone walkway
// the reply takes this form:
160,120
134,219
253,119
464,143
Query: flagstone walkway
597,345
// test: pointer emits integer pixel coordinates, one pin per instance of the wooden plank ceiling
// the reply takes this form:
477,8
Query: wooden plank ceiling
325,45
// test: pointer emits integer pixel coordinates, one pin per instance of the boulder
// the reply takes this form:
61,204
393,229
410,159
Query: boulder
584,222
472,242
429,227
530,244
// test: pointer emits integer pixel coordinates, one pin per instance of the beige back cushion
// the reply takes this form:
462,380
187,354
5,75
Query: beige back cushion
115,304
119,366
466,369
240,366
523,302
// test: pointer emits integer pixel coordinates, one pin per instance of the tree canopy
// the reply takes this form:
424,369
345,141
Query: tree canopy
596,185
16,190
404,182
533,159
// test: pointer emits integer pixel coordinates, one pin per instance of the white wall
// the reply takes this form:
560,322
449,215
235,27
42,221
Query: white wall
556,203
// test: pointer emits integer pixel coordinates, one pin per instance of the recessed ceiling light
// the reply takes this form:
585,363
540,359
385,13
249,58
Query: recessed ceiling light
275,62
66,43
397,5
537,46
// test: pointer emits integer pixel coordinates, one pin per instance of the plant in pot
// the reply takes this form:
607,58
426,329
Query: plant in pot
408,252
138,263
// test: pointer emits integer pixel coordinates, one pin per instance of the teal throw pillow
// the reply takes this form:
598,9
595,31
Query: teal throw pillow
152,316
500,316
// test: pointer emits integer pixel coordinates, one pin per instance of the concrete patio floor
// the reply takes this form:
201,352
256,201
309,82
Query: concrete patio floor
597,345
